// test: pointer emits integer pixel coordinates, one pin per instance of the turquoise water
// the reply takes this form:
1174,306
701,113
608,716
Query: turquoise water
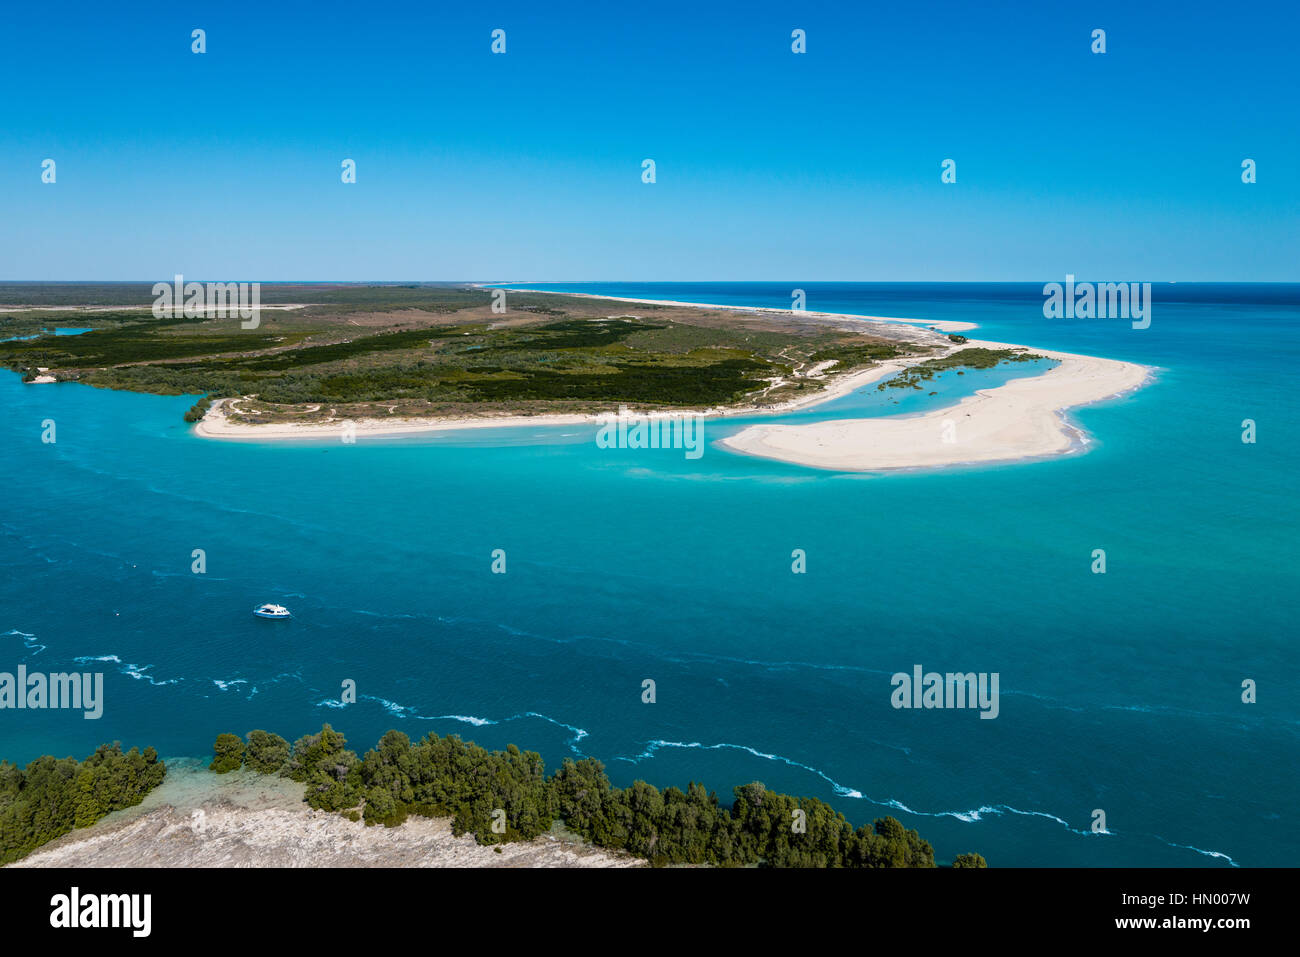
1119,692
69,331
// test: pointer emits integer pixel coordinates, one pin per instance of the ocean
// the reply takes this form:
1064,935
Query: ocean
1120,692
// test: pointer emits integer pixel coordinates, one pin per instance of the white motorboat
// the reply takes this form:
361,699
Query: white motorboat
271,611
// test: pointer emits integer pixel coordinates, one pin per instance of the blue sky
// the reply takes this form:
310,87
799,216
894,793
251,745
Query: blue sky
770,165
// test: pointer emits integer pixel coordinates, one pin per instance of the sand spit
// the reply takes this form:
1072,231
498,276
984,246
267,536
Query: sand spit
1018,420
1023,419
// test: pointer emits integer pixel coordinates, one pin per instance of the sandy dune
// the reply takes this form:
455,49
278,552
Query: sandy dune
1021,419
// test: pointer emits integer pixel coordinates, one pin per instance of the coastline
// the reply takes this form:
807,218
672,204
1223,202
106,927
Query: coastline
1019,420
942,325
197,818
215,424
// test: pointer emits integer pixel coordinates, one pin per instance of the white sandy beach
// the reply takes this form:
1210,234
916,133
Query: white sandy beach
1022,419
942,325
216,424
1019,420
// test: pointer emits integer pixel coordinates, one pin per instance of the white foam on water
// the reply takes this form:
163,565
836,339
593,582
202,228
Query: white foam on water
29,641
1188,847
840,789
130,670
578,733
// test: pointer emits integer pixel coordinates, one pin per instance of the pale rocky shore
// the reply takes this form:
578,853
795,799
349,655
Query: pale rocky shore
199,819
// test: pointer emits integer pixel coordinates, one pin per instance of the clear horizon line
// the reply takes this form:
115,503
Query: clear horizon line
881,282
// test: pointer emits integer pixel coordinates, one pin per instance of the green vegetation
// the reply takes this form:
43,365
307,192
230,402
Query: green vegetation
198,409
572,359
974,358
50,796
266,753
228,754
852,355
969,860
373,296
345,352
505,795
960,340
154,340
34,322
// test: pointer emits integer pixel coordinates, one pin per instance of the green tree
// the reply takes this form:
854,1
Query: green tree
228,754
458,779
266,753
331,772
50,796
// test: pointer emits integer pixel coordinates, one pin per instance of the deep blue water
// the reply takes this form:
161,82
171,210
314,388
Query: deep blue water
1119,691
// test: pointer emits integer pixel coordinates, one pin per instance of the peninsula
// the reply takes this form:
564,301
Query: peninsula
397,359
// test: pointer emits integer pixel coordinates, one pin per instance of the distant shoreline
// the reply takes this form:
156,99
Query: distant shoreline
942,325
217,425
1020,420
